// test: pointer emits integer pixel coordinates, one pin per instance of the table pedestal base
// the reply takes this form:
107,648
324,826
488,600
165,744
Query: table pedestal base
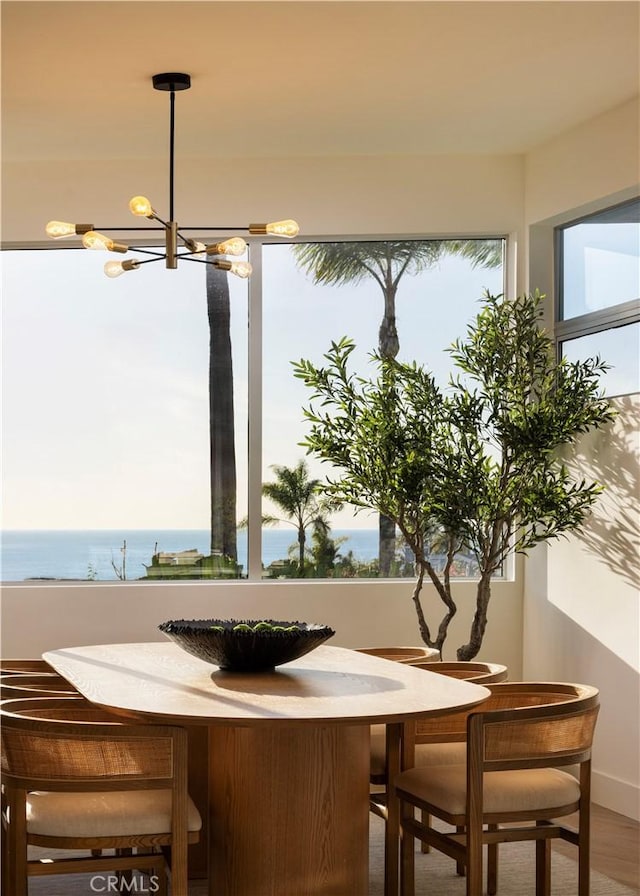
289,811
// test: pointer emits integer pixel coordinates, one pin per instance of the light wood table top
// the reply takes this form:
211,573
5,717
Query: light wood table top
331,684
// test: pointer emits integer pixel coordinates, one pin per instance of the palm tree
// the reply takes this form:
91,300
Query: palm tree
387,262
325,549
221,418
298,498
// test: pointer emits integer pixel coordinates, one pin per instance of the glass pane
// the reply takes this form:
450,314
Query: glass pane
301,318
106,419
619,347
601,261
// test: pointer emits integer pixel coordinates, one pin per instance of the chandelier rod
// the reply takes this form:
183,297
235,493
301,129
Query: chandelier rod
172,127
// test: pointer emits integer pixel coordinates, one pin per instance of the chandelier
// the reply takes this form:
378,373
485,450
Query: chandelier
178,247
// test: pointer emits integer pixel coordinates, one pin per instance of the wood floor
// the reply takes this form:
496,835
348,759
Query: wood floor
615,846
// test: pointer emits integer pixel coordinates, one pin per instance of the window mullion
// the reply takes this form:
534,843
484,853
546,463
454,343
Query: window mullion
594,321
254,533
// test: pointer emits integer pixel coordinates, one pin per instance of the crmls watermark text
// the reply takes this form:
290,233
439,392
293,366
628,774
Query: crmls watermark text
111,883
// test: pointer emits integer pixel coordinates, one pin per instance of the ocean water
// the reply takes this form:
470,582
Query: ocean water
84,554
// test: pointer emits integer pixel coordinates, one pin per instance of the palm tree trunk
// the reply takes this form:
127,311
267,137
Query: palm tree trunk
221,417
388,347
386,545
302,538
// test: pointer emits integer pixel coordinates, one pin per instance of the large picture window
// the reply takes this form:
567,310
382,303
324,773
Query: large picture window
106,442
598,283
315,294
110,389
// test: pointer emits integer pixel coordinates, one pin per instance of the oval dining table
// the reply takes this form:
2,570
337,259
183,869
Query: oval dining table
289,753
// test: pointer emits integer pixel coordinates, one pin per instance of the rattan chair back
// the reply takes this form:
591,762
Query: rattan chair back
24,666
481,673
529,724
403,654
17,685
453,726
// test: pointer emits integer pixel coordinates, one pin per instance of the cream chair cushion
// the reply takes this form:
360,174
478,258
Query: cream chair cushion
526,790
426,754
103,814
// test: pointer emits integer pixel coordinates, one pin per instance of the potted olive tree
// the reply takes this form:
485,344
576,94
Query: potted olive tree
475,466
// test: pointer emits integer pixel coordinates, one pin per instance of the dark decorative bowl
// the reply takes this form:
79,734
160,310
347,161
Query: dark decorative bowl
245,648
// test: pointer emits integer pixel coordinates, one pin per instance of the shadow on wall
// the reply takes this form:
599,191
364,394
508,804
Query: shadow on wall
612,457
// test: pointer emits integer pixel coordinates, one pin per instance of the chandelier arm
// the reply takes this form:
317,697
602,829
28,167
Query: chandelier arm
149,260
155,217
187,255
126,229
213,229
185,239
147,252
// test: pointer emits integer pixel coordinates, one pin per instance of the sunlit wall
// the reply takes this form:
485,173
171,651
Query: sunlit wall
582,594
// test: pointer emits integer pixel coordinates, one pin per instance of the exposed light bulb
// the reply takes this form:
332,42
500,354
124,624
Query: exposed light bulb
241,269
141,207
276,228
283,228
57,229
115,268
233,246
94,240
196,247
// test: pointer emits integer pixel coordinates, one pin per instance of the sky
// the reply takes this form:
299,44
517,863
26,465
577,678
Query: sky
105,406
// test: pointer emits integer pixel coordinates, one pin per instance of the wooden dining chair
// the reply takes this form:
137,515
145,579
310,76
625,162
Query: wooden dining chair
403,654
21,678
439,739
16,685
442,741
24,666
481,673
78,778
512,782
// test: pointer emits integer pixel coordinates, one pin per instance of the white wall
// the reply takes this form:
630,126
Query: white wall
581,602
366,195
582,608
583,167
367,613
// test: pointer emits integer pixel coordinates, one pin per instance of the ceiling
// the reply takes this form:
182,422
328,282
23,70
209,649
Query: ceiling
309,78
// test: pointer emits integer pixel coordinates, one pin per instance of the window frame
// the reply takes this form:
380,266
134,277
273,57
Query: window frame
612,317
254,571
